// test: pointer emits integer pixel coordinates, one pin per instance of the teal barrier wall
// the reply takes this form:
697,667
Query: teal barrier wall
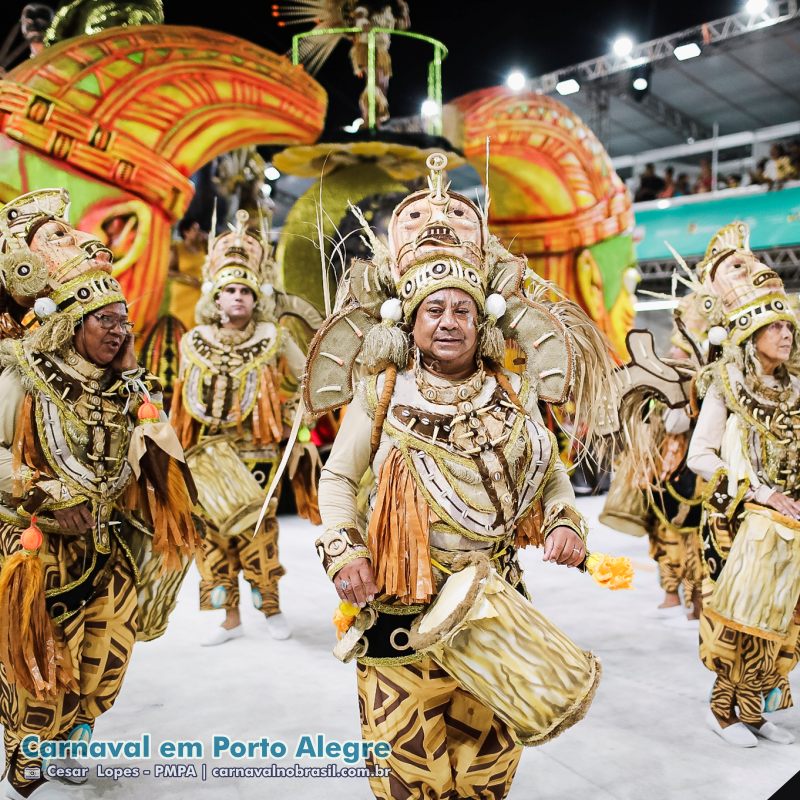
774,219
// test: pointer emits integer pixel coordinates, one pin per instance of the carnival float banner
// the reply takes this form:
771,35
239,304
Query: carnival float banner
773,219
122,118
554,197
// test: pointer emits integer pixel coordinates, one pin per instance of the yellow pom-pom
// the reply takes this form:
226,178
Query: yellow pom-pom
612,572
343,617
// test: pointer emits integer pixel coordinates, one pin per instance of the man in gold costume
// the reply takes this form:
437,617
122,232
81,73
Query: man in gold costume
87,461
462,461
239,374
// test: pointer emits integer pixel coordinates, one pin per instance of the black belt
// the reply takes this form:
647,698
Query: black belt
387,639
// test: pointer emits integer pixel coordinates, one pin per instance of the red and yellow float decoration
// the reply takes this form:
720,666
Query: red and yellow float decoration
555,197
122,119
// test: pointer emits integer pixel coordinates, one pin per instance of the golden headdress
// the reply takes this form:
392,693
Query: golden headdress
241,255
63,278
750,294
439,239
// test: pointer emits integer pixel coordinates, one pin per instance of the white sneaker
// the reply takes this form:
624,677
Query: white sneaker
670,612
222,635
278,627
47,791
773,733
72,767
682,623
736,734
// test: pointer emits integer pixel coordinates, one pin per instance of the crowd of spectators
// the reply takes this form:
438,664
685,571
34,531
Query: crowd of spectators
783,164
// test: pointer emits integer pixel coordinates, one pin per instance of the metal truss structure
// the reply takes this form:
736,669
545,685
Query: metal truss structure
670,117
717,31
657,274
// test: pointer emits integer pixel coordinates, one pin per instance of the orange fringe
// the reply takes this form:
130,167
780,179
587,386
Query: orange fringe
170,510
25,449
529,530
32,657
398,534
305,496
267,420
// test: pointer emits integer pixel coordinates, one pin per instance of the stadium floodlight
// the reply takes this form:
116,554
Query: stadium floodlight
640,81
623,46
516,80
429,108
755,7
687,50
568,86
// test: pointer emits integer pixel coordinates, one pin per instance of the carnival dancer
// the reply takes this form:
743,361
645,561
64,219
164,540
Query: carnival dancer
461,458
85,456
232,406
674,496
658,496
746,446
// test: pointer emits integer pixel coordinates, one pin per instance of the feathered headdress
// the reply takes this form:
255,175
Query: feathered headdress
439,239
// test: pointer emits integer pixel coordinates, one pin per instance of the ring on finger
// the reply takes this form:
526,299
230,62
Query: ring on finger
344,584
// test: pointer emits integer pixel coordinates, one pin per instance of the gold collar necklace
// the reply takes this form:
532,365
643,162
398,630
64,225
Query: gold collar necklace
448,395
230,337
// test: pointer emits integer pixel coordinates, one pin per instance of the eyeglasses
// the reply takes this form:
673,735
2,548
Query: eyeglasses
109,321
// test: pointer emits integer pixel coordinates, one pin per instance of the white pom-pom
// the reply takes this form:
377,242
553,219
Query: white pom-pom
267,289
391,310
495,305
206,287
717,335
44,307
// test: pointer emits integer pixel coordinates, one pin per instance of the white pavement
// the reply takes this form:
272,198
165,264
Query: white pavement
644,735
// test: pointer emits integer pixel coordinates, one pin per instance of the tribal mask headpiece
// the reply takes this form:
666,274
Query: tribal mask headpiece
750,294
46,264
437,240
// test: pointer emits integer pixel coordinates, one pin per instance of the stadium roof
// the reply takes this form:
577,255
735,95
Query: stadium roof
745,78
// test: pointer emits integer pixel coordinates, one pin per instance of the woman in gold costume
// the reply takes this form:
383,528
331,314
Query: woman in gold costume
746,446
87,462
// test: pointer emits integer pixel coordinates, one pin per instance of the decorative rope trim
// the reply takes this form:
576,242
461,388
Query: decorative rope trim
662,518
399,661
563,515
381,410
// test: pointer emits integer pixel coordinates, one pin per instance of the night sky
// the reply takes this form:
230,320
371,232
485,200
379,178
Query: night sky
486,39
